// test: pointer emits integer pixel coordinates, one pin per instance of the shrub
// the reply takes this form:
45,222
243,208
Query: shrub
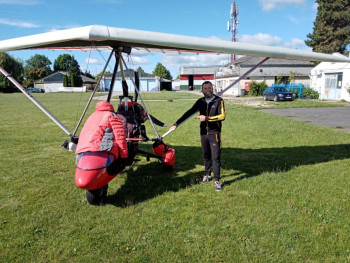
257,89
295,92
262,86
309,92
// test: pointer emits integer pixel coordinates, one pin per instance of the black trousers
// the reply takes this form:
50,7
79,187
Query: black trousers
211,146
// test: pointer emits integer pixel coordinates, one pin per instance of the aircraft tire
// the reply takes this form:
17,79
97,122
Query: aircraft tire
97,196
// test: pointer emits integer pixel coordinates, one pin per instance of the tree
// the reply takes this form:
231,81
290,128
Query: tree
32,75
65,81
12,66
68,63
72,80
38,62
139,69
36,67
88,74
162,72
257,88
291,78
331,31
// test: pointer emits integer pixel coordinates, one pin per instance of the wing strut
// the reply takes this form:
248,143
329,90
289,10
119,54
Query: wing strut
143,104
242,77
117,58
93,93
37,103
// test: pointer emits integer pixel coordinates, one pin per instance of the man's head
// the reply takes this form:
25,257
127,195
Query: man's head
207,89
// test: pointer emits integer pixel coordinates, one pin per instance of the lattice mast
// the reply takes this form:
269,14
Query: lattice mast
232,25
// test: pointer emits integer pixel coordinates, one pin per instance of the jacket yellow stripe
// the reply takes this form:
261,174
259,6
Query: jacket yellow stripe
219,117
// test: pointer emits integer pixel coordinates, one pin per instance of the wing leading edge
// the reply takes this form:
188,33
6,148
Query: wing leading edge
102,37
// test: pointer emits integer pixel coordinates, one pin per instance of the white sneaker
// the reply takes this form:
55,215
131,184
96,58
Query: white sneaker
217,186
206,178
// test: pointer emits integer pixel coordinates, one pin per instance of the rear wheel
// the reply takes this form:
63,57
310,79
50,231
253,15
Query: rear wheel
96,197
265,98
275,98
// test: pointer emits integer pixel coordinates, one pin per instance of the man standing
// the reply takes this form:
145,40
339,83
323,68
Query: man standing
211,113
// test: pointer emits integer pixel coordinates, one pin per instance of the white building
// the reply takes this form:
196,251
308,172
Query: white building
331,80
54,83
269,72
192,77
148,82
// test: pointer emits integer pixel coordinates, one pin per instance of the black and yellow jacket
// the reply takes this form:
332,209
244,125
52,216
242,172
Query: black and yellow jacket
214,110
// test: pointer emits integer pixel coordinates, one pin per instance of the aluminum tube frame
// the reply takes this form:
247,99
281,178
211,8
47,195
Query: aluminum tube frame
143,104
117,58
35,101
93,93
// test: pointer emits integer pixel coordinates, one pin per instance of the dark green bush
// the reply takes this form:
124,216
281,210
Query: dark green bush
309,92
257,89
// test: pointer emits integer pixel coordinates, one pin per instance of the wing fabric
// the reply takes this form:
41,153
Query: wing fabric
104,37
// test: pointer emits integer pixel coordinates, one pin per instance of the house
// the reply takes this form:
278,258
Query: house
331,80
269,72
176,84
54,83
148,82
193,77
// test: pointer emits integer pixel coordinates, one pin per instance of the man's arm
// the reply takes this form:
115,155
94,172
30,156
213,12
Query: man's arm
186,115
221,113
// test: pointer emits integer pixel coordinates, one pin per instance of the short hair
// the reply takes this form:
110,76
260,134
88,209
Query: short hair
207,82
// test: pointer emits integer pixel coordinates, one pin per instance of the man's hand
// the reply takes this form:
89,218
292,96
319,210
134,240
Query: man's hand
201,118
173,128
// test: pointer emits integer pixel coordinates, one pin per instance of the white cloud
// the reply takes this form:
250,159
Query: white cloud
315,6
139,60
268,5
295,43
92,61
19,2
262,39
293,19
176,60
17,23
268,40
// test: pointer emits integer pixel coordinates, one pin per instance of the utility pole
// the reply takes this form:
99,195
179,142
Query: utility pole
232,25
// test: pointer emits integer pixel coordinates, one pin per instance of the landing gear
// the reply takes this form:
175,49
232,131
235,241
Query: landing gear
97,196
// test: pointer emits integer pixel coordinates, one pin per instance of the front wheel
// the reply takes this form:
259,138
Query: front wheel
275,99
96,197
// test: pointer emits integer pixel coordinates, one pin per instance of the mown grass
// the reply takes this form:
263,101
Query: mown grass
285,199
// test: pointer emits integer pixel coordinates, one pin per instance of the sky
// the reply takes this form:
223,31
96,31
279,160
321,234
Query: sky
284,23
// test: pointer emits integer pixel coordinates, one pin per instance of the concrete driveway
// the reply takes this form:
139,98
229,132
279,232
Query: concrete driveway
337,117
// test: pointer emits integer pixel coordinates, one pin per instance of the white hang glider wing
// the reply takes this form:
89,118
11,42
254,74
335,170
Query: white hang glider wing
102,37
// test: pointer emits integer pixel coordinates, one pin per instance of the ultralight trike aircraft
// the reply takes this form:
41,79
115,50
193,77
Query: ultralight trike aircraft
93,169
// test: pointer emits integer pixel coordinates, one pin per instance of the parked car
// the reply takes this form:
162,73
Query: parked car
278,93
35,90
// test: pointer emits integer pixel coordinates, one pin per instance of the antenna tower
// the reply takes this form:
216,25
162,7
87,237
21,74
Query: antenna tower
232,25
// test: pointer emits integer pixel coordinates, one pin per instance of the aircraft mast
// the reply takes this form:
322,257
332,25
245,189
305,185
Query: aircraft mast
232,25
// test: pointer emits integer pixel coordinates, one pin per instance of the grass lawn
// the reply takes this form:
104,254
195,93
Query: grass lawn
285,199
